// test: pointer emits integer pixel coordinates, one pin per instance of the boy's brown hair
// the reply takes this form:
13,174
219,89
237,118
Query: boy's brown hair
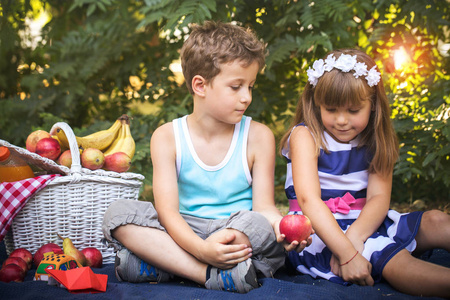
214,43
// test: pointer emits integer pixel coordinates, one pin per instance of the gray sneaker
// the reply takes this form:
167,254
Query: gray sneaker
128,267
242,278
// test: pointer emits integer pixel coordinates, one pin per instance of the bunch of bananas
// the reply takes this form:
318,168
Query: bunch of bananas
117,138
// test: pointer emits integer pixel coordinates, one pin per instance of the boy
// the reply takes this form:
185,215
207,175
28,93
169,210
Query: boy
213,179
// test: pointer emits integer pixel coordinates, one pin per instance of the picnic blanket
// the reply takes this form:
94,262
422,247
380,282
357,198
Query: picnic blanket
285,285
14,196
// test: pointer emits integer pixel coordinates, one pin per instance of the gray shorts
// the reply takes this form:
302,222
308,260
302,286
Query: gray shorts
267,257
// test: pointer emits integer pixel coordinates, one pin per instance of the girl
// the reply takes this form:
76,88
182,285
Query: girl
341,150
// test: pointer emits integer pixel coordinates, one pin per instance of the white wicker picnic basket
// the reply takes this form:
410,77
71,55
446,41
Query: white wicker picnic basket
71,205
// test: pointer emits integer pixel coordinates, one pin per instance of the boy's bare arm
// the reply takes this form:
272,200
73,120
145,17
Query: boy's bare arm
261,157
217,251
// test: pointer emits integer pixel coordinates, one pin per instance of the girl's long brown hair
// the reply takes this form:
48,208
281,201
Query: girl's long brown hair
336,88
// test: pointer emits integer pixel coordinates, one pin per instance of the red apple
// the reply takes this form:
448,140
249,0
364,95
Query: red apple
45,250
92,159
295,227
93,256
118,162
34,137
12,272
16,261
48,147
65,159
23,254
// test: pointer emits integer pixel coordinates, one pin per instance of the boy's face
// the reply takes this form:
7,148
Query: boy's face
229,94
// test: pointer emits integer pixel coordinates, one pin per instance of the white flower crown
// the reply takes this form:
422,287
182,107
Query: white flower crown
345,63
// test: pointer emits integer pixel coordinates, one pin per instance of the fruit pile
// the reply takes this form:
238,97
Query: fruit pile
16,266
111,149
19,262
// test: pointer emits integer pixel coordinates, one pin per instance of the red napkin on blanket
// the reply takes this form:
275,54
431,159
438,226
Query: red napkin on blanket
14,196
81,280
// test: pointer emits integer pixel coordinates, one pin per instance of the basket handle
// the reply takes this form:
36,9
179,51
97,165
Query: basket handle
74,151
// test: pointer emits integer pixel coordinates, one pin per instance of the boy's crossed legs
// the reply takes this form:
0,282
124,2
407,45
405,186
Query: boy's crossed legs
134,225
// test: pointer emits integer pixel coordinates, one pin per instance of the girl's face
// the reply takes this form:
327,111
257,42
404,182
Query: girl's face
230,93
346,122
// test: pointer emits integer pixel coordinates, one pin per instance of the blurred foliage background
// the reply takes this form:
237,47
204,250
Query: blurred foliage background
86,62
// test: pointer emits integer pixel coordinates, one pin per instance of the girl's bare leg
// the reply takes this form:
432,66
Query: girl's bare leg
414,276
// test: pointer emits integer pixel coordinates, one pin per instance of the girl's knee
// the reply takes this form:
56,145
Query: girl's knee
436,218
434,231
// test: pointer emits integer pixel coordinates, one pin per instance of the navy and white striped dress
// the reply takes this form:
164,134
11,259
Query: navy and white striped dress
342,172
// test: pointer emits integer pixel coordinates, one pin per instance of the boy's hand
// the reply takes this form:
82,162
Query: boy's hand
297,246
221,251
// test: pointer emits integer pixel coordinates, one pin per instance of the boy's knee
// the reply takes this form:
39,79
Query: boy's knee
240,237
254,226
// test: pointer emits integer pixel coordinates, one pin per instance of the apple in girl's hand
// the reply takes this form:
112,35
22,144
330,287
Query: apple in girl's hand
23,254
94,258
295,227
35,137
48,147
16,261
12,272
45,250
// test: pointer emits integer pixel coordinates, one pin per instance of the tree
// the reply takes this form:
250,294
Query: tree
98,59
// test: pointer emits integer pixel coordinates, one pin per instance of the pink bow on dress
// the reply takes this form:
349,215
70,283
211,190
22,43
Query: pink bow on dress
341,204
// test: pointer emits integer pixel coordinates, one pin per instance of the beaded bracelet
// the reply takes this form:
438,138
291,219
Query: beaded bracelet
349,259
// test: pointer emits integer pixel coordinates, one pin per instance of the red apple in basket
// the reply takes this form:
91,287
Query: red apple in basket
34,137
65,159
12,273
94,258
48,147
16,261
23,254
118,162
295,227
92,159
45,250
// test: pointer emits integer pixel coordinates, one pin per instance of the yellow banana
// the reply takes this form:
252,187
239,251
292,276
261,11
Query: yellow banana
63,147
99,140
124,142
129,146
117,143
62,139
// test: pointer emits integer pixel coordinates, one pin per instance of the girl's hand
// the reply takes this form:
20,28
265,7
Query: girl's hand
334,264
356,271
220,252
356,240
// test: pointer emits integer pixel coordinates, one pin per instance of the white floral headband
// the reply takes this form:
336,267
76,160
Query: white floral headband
345,63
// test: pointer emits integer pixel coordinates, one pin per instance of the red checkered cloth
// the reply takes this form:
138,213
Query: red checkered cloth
14,196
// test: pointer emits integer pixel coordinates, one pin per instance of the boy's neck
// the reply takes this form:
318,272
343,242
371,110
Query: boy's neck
211,139
207,127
